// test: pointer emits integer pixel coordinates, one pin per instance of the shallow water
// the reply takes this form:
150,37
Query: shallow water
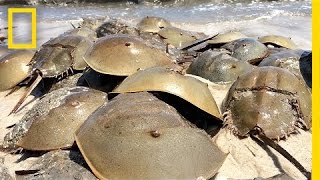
254,18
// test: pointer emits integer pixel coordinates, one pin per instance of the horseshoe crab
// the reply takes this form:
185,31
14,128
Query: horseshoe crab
177,37
152,24
278,41
165,80
60,164
14,68
218,67
115,27
297,61
153,137
82,31
269,102
226,37
123,56
269,98
56,58
247,49
50,124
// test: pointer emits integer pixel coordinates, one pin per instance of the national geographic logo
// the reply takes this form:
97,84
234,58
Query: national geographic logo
11,42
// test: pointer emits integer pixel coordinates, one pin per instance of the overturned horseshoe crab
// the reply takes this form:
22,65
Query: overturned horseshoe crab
14,68
124,55
151,135
152,24
218,67
270,102
278,41
165,80
55,59
247,49
50,124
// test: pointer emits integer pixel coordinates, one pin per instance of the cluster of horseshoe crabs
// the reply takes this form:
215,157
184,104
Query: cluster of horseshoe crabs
156,122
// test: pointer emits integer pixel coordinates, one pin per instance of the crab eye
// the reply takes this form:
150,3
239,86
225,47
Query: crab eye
127,44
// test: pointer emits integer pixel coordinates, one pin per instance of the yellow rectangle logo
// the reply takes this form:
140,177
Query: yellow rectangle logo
33,12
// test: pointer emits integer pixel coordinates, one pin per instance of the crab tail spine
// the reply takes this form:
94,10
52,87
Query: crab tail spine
27,93
285,154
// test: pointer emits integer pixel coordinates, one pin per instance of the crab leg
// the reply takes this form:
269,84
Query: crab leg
27,93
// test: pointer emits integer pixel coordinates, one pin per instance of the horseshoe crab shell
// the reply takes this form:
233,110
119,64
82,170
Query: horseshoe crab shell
247,49
151,136
270,98
60,164
297,61
123,56
176,37
152,24
60,54
82,31
218,67
50,124
14,68
226,37
280,41
166,80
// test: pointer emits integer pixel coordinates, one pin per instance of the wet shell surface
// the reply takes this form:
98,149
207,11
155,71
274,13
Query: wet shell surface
153,138
269,98
124,55
82,31
177,37
279,41
50,124
60,164
218,67
114,26
226,37
166,80
60,54
14,68
152,24
247,49
298,61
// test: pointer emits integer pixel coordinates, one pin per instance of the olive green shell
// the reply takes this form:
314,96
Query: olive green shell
247,49
166,80
82,31
218,67
297,61
278,41
152,24
177,37
14,68
124,55
60,54
60,164
270,98
226,37
50,124
137,136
